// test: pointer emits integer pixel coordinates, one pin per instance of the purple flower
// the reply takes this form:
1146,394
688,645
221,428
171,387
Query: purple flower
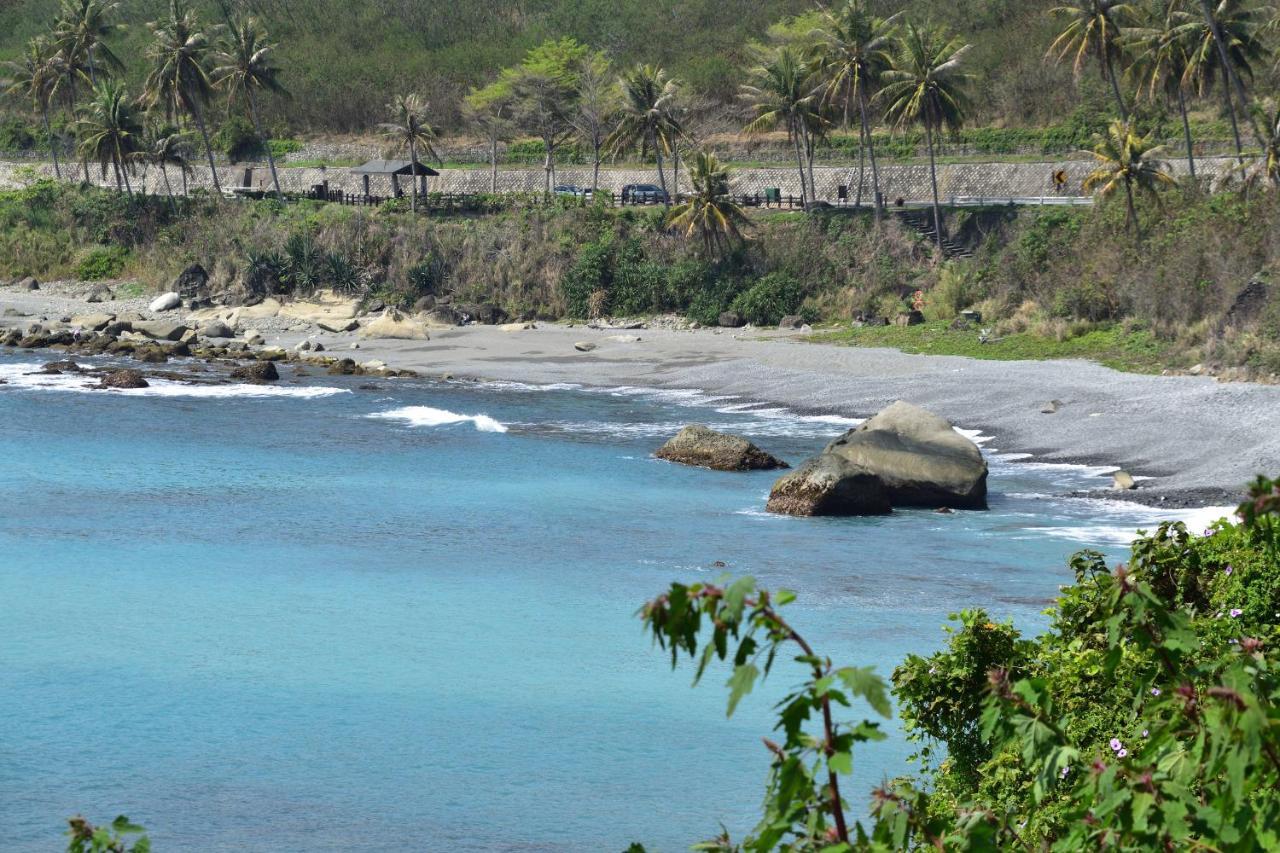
1235,612
1121,753
1065,771
1227,571
1144,732
1155,691
1116,744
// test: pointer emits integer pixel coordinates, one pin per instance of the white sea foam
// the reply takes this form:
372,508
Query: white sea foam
26,377
426,416
1137,517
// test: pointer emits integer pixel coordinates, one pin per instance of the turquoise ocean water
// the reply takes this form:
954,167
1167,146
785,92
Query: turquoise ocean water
319,617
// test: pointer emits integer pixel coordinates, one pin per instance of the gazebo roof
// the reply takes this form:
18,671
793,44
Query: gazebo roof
394,167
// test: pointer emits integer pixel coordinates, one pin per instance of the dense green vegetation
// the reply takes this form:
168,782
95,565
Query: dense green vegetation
1146,718
1051,283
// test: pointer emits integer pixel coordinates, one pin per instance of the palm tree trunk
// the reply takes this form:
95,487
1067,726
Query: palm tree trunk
862,162
71,96
413,176
1235,127
1186,133
168,188
1232,80
124,169
266,143
115,164
208,147
662,175
795,141
1108,70
53,145
933,178
871,154
675,172
185,193
1133,213
493,164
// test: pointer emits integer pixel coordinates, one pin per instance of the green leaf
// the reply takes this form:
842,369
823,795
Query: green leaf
863,682
740,684
841,762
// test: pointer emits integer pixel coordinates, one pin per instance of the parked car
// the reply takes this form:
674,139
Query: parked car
570,189
644,194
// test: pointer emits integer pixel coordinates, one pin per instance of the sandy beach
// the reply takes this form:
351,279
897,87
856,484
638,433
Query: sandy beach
1198,439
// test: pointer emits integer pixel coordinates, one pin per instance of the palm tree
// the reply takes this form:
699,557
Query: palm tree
926,86
1266,164
1125,160
179,81
709,211
81,30
854,48
1161,55
110,131
244,69
163,147
1226,48
646,116
783,92
1093,28
36,76
408,131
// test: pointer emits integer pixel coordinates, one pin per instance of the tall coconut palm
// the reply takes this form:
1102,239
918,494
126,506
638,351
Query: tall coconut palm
783,92
82,29
1227,47
36,76
180,81
1125,160
1094,29
110,131
854,48
647,116
1161,50
927,86
709,212
410,131
1266,164
245,68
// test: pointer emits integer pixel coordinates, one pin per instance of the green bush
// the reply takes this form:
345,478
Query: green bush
17,135
238,140
284,147
102,262
770,299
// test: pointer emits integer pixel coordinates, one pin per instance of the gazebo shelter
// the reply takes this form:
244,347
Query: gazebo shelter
395,169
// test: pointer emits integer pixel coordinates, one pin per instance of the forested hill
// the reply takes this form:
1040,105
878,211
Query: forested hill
343,60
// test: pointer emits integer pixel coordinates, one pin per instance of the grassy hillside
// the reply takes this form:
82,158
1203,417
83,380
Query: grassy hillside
1054,283
344,60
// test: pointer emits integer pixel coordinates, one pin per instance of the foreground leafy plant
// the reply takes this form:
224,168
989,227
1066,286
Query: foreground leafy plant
87,838
1147,718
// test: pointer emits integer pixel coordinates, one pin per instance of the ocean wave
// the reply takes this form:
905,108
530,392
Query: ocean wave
26,377
426,416
1138,517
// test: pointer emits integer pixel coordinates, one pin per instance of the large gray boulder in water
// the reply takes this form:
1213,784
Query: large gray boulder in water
705,448
919,457
829,485
903,457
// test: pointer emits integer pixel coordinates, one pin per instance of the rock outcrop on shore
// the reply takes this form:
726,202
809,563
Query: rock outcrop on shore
705,448
905,455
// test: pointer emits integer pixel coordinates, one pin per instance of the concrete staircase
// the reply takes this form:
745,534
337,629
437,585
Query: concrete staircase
921,221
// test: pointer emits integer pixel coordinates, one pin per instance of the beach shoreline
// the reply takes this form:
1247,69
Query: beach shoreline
1221,441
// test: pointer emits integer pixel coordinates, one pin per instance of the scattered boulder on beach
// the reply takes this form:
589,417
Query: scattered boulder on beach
127,378
343,367
217,329
584,346
394,326
829,484
150,354
28,283
1051,407
484,313
730,320
165,302
705,448
192,282
792,322
1123,481
337,325
61,367
919,457
257,373
161,330
909,318
444,315
253,337
92,322
101,293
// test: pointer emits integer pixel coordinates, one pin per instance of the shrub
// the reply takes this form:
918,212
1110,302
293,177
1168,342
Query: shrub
238,140
283,147
101,262
770,299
